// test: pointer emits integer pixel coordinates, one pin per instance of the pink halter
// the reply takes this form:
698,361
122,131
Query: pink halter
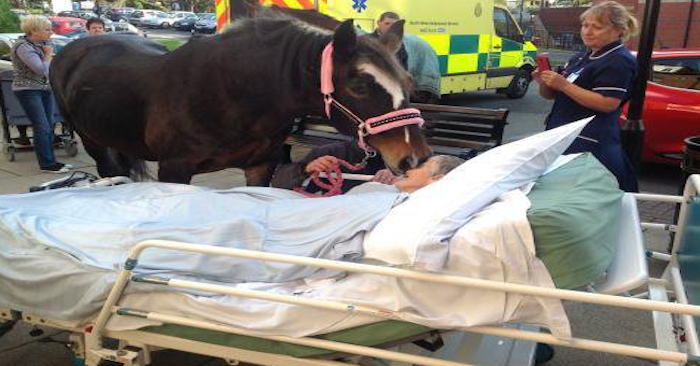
371,126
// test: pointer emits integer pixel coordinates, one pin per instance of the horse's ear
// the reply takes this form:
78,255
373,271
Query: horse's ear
345,39
393,38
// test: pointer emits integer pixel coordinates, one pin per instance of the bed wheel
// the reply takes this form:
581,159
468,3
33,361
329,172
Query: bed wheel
543,353
9,152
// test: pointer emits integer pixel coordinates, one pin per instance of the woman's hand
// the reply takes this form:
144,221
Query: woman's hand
553,80
537,76
322,164
545,91
48,52
385,176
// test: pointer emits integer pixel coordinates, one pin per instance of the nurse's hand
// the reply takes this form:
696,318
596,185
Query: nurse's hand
536,75
553,80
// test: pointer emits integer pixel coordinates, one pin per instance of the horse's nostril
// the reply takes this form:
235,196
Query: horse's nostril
405,165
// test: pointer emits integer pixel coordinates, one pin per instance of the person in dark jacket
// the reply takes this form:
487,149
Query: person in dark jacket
325,157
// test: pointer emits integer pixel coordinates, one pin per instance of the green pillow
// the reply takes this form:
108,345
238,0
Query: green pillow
574,216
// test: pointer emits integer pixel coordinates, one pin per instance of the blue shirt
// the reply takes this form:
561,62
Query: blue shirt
610,71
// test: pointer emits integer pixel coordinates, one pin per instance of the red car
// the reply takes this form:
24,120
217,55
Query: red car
672,105
63,25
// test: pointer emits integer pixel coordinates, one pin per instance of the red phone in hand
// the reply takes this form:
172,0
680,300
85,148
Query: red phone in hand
543,62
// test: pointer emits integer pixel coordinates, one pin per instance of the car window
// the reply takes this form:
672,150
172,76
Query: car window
505,25
678,73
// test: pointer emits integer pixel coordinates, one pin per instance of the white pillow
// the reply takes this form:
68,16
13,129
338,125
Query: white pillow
416,233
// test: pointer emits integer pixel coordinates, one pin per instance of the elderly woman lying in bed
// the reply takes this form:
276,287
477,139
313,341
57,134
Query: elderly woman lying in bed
432,170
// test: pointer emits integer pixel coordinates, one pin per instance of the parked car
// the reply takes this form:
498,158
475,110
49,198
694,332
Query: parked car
672,104
61,25
186,24
82,14
158,20
119,14
139,16
206,24
113,27
178,15
120,27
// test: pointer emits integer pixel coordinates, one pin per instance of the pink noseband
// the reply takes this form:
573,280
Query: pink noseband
372,126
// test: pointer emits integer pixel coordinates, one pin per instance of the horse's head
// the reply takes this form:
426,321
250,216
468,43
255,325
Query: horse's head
368,93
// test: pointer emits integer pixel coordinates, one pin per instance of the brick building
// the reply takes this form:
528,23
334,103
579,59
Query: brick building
678,24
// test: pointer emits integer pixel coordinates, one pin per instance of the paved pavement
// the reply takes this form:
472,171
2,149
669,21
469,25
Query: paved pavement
18,349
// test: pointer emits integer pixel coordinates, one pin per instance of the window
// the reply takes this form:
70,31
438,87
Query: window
505,25
677,72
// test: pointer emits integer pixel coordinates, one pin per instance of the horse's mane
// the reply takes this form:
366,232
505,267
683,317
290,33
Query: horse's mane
309,16
299,45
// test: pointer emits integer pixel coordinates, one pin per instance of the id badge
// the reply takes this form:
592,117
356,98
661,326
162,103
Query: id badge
573,76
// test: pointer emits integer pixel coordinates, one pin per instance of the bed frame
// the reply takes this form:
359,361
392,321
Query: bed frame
666,297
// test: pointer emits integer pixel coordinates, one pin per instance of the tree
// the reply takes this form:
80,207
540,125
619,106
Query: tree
9,22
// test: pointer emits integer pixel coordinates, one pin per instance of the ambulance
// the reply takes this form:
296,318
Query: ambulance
478,43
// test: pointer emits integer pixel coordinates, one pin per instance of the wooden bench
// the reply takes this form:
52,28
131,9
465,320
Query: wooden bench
450,130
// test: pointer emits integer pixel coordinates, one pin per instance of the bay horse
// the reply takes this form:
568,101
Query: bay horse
229,100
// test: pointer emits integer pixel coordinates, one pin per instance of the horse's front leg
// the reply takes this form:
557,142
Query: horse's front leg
260,175
176,171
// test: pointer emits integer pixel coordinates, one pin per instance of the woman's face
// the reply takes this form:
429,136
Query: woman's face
42,34
597,34
417,178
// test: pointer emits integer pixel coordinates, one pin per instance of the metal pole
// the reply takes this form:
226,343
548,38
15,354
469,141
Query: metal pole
632,130
689,23
522,5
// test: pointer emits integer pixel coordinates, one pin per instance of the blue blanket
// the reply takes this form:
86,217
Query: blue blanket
60,250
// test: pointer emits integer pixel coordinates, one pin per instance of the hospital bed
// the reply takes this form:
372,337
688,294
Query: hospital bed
669,298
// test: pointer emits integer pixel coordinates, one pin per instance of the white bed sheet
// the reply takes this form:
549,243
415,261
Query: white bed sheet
496,245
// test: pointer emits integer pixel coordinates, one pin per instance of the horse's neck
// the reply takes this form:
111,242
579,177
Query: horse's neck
302,69
287,69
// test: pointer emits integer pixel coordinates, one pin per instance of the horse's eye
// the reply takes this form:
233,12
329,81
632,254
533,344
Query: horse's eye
359,86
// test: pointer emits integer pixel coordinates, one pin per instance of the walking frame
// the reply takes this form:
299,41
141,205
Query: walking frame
666,298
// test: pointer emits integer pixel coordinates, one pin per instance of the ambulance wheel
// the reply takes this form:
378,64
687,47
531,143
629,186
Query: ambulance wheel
519,85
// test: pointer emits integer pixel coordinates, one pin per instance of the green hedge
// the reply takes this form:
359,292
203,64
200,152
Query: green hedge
9,22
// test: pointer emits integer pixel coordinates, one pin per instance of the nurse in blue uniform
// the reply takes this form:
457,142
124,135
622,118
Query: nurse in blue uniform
596,83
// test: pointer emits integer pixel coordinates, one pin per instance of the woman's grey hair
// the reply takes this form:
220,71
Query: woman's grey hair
615,14
34,23
444,164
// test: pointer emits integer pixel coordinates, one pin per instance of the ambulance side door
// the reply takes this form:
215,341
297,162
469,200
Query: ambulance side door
506,45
